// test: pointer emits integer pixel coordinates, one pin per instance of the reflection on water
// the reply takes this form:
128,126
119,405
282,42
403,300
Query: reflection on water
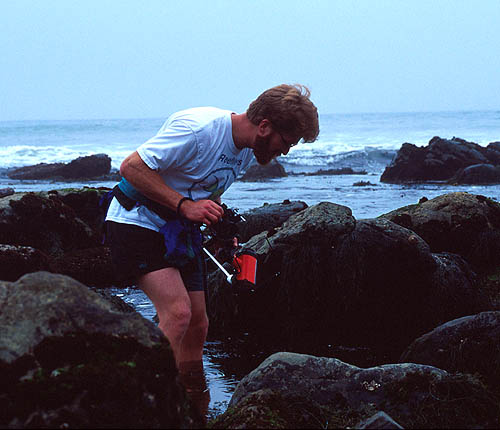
221,385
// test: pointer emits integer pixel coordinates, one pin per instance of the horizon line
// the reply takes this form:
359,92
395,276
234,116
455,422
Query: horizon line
320,114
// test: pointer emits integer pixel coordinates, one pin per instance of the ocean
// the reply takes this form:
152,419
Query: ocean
364,142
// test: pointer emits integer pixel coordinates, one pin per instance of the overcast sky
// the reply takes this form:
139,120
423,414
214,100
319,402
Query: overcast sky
74,59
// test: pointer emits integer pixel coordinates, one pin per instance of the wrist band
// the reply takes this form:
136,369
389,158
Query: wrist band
181,201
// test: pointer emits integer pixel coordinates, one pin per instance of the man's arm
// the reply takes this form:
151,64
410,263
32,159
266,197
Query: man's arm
150,183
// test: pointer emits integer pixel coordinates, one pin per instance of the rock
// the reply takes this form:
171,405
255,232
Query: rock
44,223
363,184
341,171
37,171
257,172
462,223
85,202
301,391
379,421
267,218
69,359
493,152
16,261
90,266
438,161
4,192
469,345
317,224
63,226
87,167
477,174
368,283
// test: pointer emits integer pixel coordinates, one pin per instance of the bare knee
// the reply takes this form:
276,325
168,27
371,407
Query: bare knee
198,328
176,322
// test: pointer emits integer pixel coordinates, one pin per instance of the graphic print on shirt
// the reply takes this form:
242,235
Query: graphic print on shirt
215,183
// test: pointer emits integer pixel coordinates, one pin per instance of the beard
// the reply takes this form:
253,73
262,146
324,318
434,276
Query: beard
261,151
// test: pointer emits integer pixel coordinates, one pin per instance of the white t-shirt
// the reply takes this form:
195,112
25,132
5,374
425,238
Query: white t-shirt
195,154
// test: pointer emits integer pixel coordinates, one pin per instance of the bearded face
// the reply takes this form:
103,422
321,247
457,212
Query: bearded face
264,151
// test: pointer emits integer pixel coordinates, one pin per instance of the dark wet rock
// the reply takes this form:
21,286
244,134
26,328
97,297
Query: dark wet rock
90,266
462,223
469,345
301,391
267,217
4,192
15,261
85,202
363,184
493,152
68,359
439,161
380,420
118,304
87,167
341,171
478,174
37,171
44,223
64,226
456,285
257,172
325,279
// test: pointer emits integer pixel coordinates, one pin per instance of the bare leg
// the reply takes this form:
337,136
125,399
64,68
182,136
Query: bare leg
184,321
169,296
182,314
194,339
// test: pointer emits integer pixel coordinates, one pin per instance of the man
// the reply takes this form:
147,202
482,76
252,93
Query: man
173,183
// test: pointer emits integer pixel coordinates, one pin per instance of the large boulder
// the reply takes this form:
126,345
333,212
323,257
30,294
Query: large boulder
469,344
59,231
44,223
267,217
325,279
477,174
88,167
16,261
69,359
258,172
86,202
301,391
462,223
438,161
90,266
4,192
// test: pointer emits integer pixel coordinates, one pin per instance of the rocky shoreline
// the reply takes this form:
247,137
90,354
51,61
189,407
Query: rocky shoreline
395,318
452,161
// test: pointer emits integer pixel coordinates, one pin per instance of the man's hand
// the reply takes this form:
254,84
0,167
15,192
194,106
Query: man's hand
203,211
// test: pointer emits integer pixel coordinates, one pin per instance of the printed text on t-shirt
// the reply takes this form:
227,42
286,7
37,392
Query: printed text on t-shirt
229,160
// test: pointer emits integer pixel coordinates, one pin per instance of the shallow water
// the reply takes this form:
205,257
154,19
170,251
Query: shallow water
221,385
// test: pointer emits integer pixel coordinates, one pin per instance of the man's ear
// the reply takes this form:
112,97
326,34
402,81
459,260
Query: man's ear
265,128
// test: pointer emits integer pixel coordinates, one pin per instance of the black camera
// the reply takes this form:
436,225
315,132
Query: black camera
226,229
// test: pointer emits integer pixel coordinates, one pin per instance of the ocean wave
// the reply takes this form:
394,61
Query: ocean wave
27,155
371,159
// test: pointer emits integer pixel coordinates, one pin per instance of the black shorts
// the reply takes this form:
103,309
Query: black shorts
136,251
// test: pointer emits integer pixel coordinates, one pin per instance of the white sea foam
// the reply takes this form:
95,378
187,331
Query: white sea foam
31,142
26,155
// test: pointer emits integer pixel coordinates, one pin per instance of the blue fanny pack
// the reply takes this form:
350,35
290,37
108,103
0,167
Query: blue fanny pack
183,238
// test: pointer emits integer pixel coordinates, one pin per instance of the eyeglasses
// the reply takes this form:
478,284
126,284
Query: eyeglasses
288,145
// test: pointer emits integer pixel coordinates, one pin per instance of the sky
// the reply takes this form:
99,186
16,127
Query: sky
88,59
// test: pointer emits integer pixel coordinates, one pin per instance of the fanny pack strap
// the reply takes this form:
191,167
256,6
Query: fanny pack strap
129,198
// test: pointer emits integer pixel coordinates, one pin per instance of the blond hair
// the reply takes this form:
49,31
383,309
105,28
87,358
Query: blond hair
289,109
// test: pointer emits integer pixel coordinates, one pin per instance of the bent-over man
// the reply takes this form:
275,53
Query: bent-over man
173,184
